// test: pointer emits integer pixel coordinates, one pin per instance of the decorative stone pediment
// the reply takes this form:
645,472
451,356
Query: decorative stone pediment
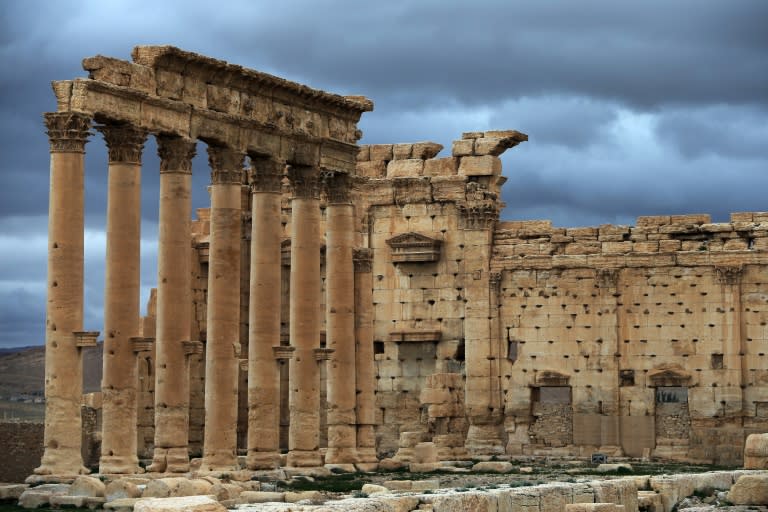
551,378
669,376
414,247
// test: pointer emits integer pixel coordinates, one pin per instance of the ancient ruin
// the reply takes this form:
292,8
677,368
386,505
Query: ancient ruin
346,305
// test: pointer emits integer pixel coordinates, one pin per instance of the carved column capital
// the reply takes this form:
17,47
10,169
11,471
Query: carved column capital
226,165
363,260
125,142
67,131
337,187
266,175
176,154
494,281
607,277
478,214
728,274
305,181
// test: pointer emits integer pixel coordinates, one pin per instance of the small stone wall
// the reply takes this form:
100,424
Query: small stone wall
673,421
553,425
21,446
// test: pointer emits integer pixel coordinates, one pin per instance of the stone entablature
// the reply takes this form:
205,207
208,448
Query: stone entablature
171,91
414,247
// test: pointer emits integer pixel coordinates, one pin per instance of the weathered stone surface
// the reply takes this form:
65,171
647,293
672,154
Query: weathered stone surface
121,488
87,486
261,496
179,504
493,467
750,490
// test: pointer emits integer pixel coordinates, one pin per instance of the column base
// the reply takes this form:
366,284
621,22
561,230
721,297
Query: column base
169,460
366,455
262,460
484,440
119,465
223,460
341,456
305,459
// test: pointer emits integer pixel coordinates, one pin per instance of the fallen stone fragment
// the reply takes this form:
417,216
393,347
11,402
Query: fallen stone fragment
179,504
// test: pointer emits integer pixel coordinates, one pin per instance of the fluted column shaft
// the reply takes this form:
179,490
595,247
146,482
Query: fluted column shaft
67,133
121,299
364,364
174,303
340,321
222,362
305,319
264,317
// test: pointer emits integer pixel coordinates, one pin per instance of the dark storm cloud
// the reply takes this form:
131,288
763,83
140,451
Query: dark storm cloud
632,108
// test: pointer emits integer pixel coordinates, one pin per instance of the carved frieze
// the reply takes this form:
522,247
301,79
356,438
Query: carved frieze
67,131
363,260
266,175
414,247
415,336
494,281
305,181
552,378
176,154
226,165
124,142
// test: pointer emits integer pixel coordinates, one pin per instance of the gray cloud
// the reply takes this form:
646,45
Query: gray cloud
631,108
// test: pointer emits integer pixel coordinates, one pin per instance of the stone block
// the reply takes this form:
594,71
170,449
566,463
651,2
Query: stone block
426,150
373,169
294,497
398,485
448,188
371,489
381,152
479,165
750,490
493,467
120,489
261,497
407,168
463,147
401,151
179,504
756,451
653,220
425,452
696,218
364,153
87,486
447,166
616,247
12,492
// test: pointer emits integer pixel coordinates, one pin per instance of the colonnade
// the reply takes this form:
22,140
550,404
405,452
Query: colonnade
348,312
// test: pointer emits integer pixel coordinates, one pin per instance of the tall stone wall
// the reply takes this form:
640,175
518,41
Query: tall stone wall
22,446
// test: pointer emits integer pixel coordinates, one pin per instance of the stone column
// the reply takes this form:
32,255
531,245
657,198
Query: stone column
305,319
485,416
174,306
340,321
67,133
121,299
222,352
364,364
264,316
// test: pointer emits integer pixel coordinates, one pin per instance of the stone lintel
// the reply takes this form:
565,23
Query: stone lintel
415,336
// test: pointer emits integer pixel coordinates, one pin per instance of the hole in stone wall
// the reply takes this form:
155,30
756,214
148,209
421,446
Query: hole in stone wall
717,362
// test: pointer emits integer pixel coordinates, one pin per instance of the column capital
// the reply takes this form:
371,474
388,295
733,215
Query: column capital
266,175
305,181
226,165
363,259
176,154
67,131
125,142
337,187
728,274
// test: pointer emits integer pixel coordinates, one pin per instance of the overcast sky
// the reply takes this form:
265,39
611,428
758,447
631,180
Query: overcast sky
632,108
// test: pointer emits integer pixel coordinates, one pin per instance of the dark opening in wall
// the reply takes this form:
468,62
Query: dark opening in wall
378,347
671,394
627,377
512,350
460,350
717,362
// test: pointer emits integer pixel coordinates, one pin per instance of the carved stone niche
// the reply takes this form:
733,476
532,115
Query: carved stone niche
414,248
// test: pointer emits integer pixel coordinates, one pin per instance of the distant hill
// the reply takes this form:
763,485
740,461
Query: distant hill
22,370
